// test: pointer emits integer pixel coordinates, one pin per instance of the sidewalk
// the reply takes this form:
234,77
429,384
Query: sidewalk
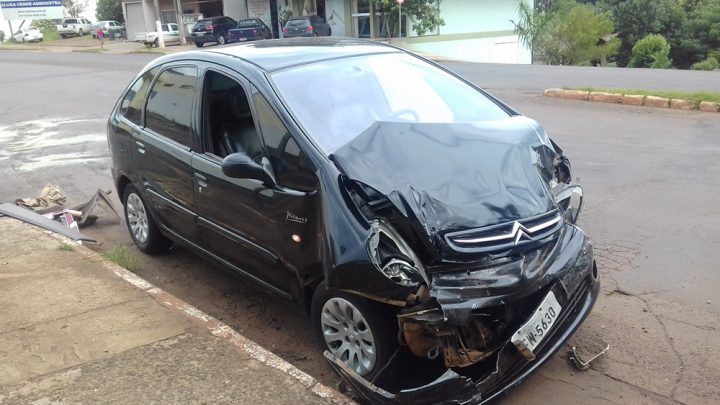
75,328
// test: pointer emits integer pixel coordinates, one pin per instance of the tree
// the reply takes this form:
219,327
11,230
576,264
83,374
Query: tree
109,10
74,7
651,52
424,16
699,34
568,34
635,19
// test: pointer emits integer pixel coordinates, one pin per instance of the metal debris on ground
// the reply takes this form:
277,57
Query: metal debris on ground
582,365
31,217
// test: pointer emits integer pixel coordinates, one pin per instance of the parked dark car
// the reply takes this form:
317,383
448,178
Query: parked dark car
213,29
306,26
428,227
251,29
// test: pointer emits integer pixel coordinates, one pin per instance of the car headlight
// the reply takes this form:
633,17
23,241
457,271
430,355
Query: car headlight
569,199
392,256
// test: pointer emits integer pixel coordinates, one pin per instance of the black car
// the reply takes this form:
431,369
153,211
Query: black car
213,29
428,227
306,26
251,29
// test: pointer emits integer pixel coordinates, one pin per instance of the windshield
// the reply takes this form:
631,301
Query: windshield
337,100
298,22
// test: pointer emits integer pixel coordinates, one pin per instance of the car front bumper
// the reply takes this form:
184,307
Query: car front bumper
575,284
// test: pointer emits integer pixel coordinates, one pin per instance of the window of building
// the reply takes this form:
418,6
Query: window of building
169,108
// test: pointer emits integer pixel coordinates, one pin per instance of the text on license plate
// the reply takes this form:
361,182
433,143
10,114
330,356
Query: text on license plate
529,336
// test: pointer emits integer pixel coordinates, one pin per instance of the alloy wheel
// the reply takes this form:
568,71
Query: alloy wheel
137,217
347,335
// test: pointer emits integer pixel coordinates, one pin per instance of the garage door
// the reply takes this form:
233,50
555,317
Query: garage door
134,19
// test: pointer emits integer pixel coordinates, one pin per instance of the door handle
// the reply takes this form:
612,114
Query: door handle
140,147
201,181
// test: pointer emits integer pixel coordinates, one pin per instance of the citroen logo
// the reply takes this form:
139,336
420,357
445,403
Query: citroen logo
520,232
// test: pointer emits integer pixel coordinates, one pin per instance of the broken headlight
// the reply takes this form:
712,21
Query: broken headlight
569,199
393,257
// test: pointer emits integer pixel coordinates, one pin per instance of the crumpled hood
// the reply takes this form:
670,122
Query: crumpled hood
456,176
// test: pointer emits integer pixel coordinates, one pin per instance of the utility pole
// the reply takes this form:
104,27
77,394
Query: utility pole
400,3
158,25
181,23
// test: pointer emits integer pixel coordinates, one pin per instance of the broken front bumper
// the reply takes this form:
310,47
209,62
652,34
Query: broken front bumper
573,278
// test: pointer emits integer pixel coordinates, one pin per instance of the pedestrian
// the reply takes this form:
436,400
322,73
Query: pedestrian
101,37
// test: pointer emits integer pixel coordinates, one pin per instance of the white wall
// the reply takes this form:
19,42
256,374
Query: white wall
505,49
237,9
463,16
335,13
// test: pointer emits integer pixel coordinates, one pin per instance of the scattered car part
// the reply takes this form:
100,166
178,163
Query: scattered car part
50,197
581,364
26,215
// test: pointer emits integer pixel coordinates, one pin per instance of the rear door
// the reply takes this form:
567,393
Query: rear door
163,148
264,232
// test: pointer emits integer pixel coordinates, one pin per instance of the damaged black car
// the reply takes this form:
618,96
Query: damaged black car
429,228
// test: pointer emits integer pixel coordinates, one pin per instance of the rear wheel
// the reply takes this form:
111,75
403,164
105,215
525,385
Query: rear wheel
143,230
361,333
221,39
63,36
80,32
199,44
156,43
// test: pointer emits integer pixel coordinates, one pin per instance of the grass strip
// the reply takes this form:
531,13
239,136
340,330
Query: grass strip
123,257
696,96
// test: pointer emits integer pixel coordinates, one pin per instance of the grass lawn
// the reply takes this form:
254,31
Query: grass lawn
696,96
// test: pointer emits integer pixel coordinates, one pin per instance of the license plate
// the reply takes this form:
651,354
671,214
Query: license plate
242,39
529,336
199,34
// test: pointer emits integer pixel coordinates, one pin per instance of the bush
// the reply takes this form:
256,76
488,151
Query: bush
708,64
651,52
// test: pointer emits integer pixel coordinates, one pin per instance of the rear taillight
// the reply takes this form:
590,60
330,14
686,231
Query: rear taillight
210,28
285,30
310,28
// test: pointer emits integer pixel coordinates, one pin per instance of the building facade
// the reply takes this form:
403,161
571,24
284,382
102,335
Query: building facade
474,30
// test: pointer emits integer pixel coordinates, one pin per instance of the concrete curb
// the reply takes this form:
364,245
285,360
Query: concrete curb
633,99
212,325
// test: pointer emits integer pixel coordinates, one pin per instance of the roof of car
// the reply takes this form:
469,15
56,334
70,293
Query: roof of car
278,54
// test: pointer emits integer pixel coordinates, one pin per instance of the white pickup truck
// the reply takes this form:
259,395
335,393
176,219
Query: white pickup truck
169,32
73,26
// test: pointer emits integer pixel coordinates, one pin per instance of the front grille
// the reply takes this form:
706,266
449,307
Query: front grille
505,236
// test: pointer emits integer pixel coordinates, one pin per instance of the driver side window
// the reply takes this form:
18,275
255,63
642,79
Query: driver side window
229,124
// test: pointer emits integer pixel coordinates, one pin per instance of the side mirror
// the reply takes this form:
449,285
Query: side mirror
241,166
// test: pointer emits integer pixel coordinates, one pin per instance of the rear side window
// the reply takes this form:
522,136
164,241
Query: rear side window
134,100
169,108
71,21
300,22
247,24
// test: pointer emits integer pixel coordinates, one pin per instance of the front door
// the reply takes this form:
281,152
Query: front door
255,228
162,150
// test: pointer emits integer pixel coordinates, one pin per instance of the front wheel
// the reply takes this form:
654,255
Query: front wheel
221,39
199,44
143,230
361,333
80,32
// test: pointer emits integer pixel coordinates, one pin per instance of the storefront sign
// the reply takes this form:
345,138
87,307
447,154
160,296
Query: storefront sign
32,10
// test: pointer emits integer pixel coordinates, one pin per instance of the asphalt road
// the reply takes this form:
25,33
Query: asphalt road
650,178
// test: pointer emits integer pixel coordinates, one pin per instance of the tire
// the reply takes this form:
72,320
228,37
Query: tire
141,225
199,44
221,39
376,327
156,43
63,36
80,32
